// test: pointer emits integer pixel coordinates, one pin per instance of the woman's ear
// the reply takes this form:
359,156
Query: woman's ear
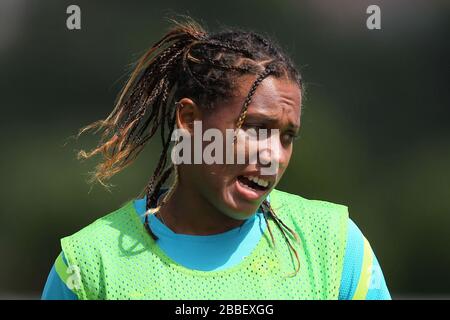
187,112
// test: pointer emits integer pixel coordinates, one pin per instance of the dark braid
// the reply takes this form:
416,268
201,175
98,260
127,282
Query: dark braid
267,210
186,62
229,47
250,94
218,64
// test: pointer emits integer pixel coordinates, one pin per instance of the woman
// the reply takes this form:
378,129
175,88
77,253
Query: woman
222,230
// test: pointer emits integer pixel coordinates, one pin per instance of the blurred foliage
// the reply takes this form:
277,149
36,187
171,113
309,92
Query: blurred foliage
375,133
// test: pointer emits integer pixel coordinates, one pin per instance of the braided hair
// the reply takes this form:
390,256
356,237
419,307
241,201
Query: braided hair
186,62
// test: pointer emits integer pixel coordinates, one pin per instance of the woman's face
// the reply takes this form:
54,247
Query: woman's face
276,104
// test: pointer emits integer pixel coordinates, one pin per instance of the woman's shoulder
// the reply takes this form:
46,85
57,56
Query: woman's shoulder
116,234
321,222
301,205
107,224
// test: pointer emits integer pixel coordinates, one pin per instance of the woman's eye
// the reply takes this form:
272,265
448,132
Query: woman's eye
290,137
252,126
253,129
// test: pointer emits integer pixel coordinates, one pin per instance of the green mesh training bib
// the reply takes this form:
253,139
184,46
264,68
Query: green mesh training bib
115,258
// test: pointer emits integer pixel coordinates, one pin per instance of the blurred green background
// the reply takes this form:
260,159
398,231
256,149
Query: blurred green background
375,129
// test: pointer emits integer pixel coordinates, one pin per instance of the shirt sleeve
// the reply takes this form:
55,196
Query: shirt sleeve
56,286
362,277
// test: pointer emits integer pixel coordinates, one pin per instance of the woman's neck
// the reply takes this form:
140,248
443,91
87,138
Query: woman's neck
187,212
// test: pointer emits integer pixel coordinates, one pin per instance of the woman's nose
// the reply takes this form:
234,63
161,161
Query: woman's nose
270,154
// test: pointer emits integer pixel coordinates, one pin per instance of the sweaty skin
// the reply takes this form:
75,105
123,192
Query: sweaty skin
207,198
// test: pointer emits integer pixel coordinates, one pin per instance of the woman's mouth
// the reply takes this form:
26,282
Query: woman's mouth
252,187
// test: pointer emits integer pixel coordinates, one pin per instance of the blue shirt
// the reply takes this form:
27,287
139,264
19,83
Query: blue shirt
362,277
